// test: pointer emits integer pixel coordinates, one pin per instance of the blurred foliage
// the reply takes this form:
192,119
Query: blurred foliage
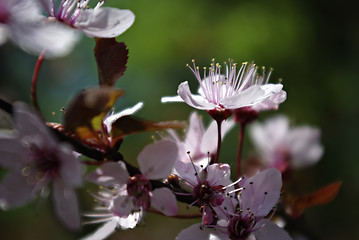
312,45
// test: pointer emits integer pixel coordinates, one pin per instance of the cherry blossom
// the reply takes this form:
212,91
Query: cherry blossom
207,186
97,22
22,22
243,218
276,96
219,93
280,145
37,162
135,192
110,219
198,141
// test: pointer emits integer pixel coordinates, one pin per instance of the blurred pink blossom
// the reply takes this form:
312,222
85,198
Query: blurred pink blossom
36,162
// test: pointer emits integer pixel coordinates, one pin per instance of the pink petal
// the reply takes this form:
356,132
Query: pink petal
270,231
48,6
248,97
104,22
29,124
271,103
198,232
71,168
194,134
164,201
185,170
12,153
209,139
157,159
304,146
35,36
15,191
268,136
195,101
261,192
109,174
122,206
66,205
219,174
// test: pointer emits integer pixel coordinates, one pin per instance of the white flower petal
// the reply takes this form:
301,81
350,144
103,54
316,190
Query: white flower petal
219,174
195,101
198,232
130,221
248,97
122,205
11,152
33,37
304,146
209,139
157,159
29,124
15,191
71,168
164,201
104,22
261,192
271,103
128,111
171,99
47,5
194,135
269,136
109,174
66,205
270,231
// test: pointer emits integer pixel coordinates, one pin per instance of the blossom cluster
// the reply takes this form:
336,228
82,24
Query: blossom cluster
43,159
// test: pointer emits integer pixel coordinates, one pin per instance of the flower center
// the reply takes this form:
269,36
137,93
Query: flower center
206,194
240,229
139,188
43,164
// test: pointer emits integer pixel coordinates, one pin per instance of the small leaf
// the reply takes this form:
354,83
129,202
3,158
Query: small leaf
111,59
129,125
298,204
86,111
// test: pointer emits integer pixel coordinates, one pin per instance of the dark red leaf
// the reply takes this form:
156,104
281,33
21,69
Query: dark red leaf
296,205
111,58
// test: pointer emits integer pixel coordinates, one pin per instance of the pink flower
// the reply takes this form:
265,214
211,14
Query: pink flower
280,145
243,218
22,22
97,22
135,193
198,141
105,214
208,187
36,161
230,91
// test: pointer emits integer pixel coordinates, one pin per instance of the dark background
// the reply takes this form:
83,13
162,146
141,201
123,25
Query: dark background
312,46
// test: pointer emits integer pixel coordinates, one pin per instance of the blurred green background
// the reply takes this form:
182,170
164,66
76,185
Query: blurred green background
312,45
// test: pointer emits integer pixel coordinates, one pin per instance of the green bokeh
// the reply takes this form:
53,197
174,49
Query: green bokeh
312,46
